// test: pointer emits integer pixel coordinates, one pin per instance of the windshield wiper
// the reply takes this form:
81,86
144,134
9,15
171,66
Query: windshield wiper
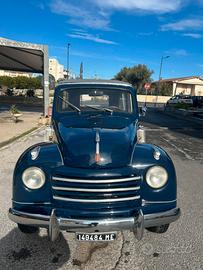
99,109
69,103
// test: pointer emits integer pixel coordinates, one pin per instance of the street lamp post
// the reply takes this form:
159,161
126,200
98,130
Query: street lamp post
68,60
160,71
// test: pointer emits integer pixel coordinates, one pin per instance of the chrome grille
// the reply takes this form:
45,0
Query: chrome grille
96,190
97,181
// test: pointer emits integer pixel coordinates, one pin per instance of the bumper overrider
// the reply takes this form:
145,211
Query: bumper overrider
56,224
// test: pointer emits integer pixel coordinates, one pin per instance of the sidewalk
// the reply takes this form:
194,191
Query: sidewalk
9,130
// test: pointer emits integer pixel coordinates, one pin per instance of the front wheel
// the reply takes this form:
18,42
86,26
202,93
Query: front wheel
27,229
159,229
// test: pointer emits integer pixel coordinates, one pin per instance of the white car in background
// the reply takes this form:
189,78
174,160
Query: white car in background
180,99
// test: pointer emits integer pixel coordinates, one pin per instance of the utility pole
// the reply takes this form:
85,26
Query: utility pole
68,60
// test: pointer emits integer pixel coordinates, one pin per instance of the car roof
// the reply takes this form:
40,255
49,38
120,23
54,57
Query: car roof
96,82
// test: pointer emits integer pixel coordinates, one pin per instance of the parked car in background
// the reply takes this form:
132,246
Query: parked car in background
197,101
180,99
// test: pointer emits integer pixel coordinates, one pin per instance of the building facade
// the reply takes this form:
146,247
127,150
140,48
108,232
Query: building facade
192,85
56,69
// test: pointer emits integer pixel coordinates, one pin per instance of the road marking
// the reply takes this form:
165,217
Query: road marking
180,150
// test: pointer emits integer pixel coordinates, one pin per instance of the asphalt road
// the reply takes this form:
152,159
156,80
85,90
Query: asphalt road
180,248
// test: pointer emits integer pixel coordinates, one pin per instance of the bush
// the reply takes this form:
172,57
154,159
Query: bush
182,106
30,93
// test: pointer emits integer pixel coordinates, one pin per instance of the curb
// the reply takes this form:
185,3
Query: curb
28,132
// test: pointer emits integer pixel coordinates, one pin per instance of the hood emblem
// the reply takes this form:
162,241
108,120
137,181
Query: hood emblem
97,154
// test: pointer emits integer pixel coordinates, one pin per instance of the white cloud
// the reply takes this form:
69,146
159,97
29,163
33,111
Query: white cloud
92,55
156,6
80,15
146,34
193,35
187,24
177,52
96,14
87,36
180,52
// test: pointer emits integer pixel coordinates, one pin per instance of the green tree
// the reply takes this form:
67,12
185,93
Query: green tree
7,81
122,74
36,82
21,82
137,75
165,88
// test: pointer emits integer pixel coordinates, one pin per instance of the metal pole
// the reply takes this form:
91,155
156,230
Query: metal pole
68,60
46,79
160,71
161,64
159,81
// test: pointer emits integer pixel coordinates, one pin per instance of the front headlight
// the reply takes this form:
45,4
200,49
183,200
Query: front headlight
156,177
33,178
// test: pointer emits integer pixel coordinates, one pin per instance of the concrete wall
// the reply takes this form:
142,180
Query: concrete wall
30,101
153,99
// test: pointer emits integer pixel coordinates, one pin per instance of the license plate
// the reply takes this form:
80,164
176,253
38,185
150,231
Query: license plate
94,237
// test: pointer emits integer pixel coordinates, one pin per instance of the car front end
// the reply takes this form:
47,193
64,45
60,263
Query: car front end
95,178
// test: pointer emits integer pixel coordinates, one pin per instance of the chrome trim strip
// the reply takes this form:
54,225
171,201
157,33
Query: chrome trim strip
35,203
94,83
98,181
97,200
146,202
95,189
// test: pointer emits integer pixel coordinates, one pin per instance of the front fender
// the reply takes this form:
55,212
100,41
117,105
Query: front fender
49,158
143,159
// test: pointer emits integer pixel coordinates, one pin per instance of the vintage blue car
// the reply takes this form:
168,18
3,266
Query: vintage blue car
97,176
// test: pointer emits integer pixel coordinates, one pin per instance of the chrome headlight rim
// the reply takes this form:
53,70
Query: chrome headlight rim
161,175
37,172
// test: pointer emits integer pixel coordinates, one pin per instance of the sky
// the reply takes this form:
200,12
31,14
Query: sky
107,35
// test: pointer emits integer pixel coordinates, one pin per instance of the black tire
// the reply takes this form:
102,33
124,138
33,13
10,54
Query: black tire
27,229
159,229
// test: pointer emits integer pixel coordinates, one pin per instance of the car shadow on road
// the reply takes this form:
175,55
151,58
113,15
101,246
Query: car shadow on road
20,251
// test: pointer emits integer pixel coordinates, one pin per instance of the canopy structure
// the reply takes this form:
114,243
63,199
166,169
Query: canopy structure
26,57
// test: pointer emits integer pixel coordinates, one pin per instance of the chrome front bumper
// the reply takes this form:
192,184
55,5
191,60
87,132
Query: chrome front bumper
55,224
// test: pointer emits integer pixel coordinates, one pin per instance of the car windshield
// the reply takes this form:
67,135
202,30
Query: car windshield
109,100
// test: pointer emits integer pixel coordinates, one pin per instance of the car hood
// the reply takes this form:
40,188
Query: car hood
77,138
